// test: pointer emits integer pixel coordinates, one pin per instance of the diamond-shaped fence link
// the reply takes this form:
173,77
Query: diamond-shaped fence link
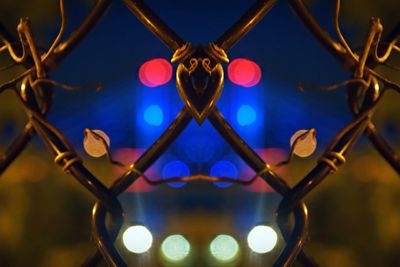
34,88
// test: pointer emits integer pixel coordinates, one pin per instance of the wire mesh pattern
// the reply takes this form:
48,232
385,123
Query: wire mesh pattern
200,80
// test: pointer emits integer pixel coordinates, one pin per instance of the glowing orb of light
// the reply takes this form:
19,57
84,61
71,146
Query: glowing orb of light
137,239
224,168
175,248
93,145
244,72
224,248
306,145
175,168
262,239
246,115
153,115
155,72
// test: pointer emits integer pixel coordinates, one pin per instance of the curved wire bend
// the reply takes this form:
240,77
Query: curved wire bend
347,60
54,55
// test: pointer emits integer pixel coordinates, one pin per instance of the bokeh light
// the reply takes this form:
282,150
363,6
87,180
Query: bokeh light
153,115
306,145
155,72
137,239
175,168
262,239
224,168
175,248
244,72
224,248
246,115
93,145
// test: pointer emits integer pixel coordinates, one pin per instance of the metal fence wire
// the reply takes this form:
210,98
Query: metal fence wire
196,64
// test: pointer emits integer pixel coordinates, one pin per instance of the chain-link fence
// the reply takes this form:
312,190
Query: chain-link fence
199,80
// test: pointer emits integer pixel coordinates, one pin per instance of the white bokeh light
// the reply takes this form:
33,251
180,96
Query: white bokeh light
224,248
93,145
262,239
137,239
175,248
307,143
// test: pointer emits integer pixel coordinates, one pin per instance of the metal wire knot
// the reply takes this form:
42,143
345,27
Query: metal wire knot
70,158
333,159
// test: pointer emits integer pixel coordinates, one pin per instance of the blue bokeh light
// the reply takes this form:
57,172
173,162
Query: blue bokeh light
224,168
246,115
153,115
175,168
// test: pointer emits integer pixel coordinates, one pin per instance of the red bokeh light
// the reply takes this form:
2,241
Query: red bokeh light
244,72
155,72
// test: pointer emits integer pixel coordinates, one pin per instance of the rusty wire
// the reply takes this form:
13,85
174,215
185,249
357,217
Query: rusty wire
365,89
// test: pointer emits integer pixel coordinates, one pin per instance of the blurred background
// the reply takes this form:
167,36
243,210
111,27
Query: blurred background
45,214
